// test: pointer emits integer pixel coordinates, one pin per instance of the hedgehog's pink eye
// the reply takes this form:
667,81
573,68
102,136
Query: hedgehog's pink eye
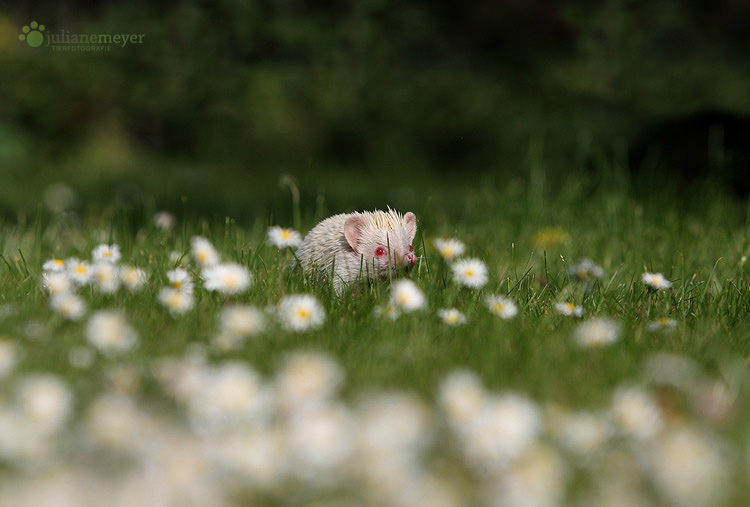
380,251
411,248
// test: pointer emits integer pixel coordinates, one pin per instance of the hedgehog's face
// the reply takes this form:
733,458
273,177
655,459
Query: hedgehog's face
384,249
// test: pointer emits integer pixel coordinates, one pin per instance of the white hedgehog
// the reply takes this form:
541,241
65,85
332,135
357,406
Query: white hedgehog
353,246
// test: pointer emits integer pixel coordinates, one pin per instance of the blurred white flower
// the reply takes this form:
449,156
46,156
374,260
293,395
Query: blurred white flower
673,370
583,434
656,281
106,277
306,380
241,321
664,324
449,248
228,278
54,265
569,309
392,429
502,307
451,316
461,397
635,413
56,283
283,238
596,332
109,332
45,401
230,395
688,468
106,253
176,301
470,273
69,306
536,478
203,251
501,431
300,312
181,280
79,271
133,278
406,296
164,220
390,311
586,271
321,444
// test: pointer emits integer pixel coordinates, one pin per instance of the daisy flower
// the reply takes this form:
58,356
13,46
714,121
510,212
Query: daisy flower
54,265
203,251
656,281
569,309
164,220
56,283
176,301
181,280
45,401
502,307
241,321
406,296
451,316
68,306
106,277
79,271
663,324
636,413
301,312
109,332
227,278
688,466
133,278
470,273
283,238
390,311
106,253
449,248
597,333
586,271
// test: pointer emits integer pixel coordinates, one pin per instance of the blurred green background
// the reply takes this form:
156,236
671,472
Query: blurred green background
365,103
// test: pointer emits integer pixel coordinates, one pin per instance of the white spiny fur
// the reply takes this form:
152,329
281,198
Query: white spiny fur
344,246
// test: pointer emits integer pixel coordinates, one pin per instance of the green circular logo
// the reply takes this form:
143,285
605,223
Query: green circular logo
32,34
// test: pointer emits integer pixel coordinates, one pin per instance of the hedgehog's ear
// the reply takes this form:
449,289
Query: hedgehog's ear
353,228
410,221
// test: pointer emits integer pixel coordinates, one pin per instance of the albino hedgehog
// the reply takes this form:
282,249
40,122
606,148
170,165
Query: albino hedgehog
353,246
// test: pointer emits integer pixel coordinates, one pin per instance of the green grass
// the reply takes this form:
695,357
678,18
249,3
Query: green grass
698,244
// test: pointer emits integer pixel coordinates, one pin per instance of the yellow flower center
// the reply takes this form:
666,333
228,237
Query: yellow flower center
58,262
570,306
303,314
175,300
285,234
81,269
499,307
469,273
446,251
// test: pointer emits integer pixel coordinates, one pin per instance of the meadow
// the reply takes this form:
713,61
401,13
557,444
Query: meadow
156,358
